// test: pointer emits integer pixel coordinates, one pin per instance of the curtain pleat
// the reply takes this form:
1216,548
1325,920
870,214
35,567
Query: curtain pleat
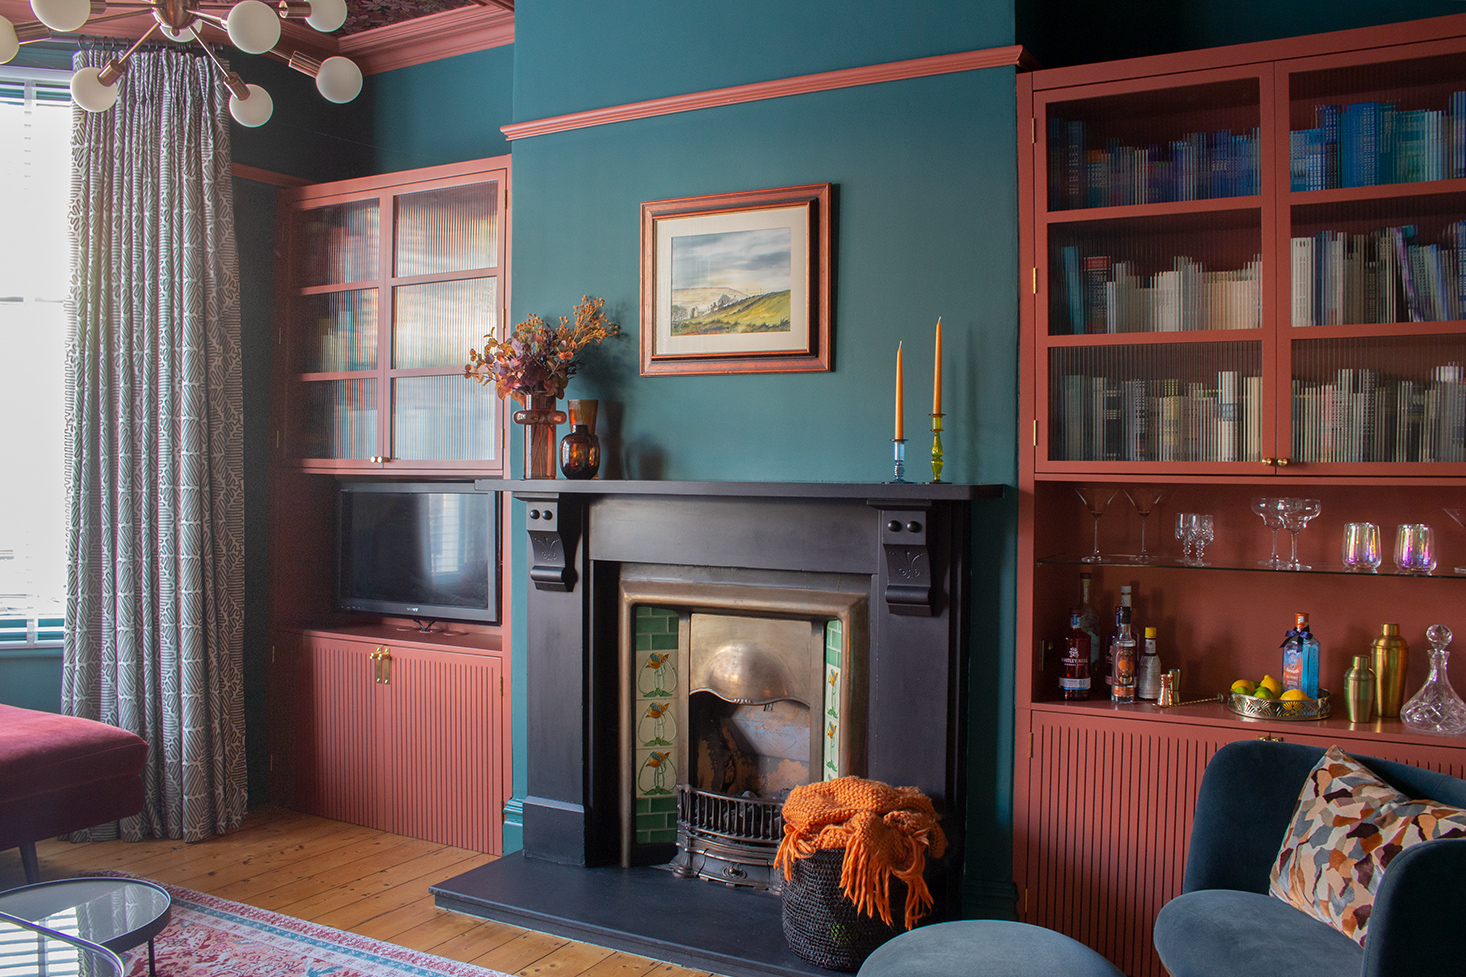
154,442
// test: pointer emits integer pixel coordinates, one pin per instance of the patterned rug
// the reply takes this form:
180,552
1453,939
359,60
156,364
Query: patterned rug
211,937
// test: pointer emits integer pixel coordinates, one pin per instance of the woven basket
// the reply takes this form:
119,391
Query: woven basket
821,925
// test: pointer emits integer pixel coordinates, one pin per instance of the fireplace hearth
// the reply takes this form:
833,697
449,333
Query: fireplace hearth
863,588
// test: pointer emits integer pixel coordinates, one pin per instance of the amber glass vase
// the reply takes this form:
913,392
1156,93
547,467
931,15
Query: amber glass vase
539,419
580,450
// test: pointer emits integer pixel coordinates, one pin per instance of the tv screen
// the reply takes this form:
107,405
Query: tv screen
424,550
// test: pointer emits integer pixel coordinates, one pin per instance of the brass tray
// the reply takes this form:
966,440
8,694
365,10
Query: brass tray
1254,708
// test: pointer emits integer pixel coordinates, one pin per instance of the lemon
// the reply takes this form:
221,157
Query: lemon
1263,692
1243,687
1295,695
1274,687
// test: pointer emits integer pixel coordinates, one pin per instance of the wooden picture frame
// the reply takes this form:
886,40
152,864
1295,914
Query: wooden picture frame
749,289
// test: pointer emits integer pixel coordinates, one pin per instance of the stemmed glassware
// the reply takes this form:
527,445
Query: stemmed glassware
1145,499
1297,513
1186,533
1271,511
1204,530
1095,499
1458,516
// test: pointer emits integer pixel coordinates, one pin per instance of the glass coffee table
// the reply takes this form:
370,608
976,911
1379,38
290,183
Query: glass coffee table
30,949
117,914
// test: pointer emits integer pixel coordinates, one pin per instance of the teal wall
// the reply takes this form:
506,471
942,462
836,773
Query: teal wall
416,125
925,226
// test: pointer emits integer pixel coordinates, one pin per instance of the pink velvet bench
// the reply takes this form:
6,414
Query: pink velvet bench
60,774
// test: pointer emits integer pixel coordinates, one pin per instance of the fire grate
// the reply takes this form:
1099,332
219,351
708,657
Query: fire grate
728,839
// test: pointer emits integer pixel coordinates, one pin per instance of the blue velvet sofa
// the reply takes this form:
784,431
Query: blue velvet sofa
1224,924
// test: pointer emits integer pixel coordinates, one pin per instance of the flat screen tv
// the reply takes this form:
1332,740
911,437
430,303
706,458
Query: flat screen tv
421,550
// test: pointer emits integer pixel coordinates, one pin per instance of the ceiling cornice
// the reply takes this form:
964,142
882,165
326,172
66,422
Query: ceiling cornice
411,42
431,38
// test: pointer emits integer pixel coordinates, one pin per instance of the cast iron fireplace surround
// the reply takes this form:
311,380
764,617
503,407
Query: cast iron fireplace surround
906,546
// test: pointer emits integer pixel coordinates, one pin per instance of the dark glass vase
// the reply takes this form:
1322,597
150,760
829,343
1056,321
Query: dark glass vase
580,450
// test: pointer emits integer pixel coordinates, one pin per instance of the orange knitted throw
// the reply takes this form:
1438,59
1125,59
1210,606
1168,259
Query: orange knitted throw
884,830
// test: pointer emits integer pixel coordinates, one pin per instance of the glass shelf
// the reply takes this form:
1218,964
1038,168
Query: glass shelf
1335,569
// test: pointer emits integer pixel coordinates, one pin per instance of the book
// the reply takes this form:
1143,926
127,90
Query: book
1226,416
1327,117
1073,288
1302,281
1096,273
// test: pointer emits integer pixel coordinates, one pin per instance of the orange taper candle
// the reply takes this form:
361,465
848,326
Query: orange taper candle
899,425
937,378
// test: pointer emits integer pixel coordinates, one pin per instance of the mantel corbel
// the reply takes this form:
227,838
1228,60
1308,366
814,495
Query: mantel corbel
551,541
909,582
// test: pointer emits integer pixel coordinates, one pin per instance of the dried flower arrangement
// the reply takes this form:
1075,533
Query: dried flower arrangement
538,359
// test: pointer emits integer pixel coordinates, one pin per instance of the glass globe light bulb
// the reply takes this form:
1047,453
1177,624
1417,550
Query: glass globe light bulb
253,27
88,91
253,111
9,45
339,79
327,15
62,15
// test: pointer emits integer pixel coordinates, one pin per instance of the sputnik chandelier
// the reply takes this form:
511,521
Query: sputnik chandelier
252,26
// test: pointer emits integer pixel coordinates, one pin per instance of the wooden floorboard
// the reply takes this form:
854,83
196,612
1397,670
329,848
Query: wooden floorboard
342,875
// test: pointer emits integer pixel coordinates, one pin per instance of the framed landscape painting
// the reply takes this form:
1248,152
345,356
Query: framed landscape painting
736,282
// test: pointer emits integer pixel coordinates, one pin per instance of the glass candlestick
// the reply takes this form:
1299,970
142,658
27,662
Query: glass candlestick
1436,708
900,451
937,449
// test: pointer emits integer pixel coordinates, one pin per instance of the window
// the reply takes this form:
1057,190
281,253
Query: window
35,183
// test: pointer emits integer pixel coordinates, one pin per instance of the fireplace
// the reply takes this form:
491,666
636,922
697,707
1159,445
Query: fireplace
755,596
732,695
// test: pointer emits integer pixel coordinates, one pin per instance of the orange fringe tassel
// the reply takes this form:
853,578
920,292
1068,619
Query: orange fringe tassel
884,830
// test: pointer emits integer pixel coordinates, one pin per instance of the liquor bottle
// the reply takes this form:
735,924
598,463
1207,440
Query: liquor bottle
1122,651
1074,680
1109,656
1300,658
1148,682
1089,623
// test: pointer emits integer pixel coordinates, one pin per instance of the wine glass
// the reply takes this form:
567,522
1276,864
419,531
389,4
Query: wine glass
1458,516
1271,511
1203,532
1095,499
1296,516
1145,499
1186,533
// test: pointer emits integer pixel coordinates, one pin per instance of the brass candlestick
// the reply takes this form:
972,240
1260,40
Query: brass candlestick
937,448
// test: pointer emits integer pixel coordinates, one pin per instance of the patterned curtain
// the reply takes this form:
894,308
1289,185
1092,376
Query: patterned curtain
154,442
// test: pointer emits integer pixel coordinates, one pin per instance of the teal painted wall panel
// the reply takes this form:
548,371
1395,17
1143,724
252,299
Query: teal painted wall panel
925,218
30,678
581,54
254,231
416,125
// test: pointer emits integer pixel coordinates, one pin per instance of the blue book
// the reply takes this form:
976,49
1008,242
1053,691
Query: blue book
1073,289
1328,123
1410,146
1458,136
1386,142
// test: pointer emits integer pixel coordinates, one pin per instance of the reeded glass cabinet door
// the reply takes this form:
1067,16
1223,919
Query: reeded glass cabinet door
395,283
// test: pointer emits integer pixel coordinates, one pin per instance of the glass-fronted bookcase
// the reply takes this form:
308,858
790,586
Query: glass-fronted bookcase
391,281
1245,276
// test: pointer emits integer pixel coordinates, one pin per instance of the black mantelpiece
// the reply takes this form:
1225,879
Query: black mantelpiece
907,543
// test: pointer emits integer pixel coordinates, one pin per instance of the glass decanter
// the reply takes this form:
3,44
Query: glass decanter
1436,708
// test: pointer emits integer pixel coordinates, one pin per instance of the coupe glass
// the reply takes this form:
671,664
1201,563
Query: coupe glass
1271,511
1458,516
1296,516
1095,499
1204,530
1145,499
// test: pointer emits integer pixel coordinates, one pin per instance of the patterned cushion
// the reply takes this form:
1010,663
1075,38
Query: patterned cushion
1347,827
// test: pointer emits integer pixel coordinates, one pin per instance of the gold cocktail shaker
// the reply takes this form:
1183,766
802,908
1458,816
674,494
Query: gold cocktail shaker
1389,653
1359,690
